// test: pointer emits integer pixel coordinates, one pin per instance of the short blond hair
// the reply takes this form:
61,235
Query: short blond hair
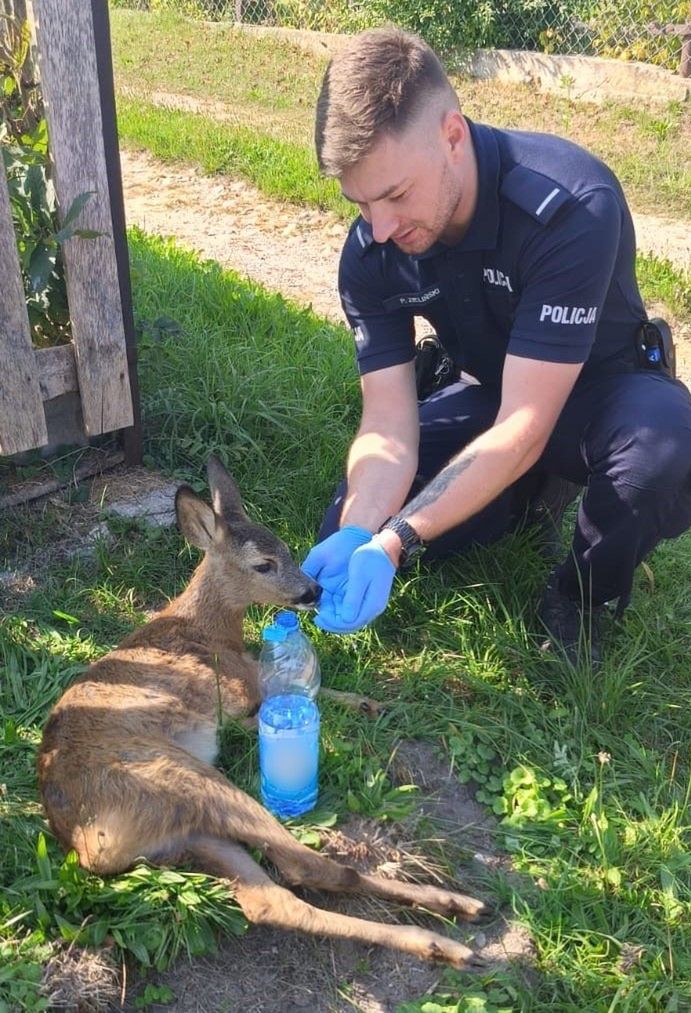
378,84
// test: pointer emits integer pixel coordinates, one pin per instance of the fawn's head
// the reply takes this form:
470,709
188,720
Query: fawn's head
246,562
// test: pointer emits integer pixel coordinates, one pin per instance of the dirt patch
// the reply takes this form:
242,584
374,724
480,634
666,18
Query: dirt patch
287,249
82,980
54,529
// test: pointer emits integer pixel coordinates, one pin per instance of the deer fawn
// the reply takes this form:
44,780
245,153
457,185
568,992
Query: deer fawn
125,765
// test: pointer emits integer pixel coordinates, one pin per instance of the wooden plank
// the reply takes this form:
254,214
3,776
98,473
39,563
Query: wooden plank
67,63
25,492
22,420
57,371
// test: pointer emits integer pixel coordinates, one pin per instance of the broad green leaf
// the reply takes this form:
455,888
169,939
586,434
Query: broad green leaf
36,187
75,209
41,266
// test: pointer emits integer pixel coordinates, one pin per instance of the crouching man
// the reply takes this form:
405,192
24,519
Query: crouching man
519,250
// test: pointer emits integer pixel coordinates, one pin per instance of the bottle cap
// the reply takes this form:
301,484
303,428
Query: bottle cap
286,619
274,633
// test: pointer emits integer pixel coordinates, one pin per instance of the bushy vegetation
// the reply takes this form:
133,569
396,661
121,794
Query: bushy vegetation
623,31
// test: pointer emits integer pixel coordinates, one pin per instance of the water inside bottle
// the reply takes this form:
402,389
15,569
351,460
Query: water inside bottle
289,754
288,711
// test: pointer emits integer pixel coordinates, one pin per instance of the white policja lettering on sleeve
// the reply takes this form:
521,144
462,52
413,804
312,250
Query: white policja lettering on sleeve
568,314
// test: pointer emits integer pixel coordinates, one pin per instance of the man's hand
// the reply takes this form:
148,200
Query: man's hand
327,562
364,594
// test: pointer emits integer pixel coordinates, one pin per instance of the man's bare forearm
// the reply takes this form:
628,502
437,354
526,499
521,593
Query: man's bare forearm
440,483
469,482
380,473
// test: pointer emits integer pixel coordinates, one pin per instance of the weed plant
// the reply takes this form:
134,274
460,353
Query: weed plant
25,160
586,775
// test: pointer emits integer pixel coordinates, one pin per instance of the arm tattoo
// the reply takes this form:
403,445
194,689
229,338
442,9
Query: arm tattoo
440,483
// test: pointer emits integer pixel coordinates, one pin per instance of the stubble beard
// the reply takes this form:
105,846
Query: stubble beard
440,226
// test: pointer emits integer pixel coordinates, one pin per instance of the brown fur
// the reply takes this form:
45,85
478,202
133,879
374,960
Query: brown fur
125,765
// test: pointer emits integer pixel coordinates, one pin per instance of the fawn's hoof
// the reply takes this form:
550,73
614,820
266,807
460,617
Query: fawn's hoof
447,951
371,708
453,905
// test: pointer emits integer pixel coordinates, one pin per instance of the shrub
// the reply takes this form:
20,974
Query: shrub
624,32
447,25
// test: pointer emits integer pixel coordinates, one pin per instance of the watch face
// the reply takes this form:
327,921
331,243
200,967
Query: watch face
410,550
411,545
412,553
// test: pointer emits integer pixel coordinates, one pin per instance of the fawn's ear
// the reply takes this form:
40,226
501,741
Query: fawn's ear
196,519
225,494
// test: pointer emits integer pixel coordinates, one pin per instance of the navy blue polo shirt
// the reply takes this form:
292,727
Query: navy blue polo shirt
544,271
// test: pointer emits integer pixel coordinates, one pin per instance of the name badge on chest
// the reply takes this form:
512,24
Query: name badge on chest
412,299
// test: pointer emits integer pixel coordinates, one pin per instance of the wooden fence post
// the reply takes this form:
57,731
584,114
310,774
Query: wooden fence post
132,436
22,418
69,78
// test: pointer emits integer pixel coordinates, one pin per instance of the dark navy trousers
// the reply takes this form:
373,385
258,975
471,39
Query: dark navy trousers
625,437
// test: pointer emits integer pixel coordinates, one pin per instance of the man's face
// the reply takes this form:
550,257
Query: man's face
411,189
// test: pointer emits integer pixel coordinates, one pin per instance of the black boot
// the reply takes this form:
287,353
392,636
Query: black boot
573,629
546,512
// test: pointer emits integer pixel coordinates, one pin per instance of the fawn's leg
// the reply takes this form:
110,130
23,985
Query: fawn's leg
265,902
163,796
364,704
302,866
247,821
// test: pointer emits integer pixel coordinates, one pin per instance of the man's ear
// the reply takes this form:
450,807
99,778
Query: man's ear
455,133
196,519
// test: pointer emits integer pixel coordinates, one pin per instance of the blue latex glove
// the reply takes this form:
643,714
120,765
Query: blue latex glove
327,562
365,594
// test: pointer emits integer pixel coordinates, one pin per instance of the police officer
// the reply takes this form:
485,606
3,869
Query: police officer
518,249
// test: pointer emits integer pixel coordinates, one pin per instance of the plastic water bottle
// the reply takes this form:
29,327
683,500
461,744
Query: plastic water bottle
303,672
289,679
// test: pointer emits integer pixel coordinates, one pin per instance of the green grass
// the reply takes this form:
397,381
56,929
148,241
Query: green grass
256,79
280,169
660,281
587,775
267,88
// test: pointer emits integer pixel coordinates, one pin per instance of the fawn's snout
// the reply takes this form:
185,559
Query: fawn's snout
309,599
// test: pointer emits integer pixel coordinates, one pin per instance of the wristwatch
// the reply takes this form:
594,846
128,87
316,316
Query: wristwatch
411,543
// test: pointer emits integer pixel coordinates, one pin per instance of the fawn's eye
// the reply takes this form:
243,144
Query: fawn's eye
266,567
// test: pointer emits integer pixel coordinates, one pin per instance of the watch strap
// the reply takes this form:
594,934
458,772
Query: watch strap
411,543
